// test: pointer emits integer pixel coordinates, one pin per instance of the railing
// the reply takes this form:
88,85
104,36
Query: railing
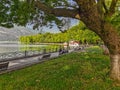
23,54
5,58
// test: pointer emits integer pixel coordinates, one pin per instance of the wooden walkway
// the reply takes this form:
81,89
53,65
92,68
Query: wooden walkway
22,63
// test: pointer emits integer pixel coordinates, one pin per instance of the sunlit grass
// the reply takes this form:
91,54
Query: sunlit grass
74,71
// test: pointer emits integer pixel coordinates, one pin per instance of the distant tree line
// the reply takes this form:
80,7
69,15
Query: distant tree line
79,33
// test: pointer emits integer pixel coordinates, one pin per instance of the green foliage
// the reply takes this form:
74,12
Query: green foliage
23,12
74,71
116,21
15,12
5,13
78,33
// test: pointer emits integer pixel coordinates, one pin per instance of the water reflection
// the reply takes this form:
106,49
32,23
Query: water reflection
15,47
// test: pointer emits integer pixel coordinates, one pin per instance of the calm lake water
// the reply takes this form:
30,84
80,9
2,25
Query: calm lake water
16,46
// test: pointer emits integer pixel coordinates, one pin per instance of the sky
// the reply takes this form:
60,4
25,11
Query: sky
54,29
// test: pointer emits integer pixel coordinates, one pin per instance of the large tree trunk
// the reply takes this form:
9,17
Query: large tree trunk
111,39
96,22
115,67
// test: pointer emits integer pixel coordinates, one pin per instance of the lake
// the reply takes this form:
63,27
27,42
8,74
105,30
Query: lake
7,46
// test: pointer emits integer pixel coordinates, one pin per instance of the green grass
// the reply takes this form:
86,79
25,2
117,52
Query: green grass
74,71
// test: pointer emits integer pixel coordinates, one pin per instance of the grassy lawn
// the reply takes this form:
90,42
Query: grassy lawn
74,71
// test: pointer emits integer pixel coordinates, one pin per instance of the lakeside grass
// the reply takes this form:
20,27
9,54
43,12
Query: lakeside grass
75,71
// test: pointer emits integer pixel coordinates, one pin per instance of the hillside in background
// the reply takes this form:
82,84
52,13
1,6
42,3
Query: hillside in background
78,33
13,34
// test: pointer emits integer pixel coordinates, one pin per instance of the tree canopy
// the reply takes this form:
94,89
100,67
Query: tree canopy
43,12
98,15
78,33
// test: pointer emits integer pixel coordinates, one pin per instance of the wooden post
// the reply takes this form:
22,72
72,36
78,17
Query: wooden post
39,51
25,53
44,51
49,50
56,49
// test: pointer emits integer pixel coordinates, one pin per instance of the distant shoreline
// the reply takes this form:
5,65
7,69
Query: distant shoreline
18,42
9,42
48,43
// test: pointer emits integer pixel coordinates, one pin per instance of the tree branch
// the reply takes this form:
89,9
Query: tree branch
105,7
112,7
73,13
100,7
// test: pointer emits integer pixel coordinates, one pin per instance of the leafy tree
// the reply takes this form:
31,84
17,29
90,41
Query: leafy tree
73,33
96,15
